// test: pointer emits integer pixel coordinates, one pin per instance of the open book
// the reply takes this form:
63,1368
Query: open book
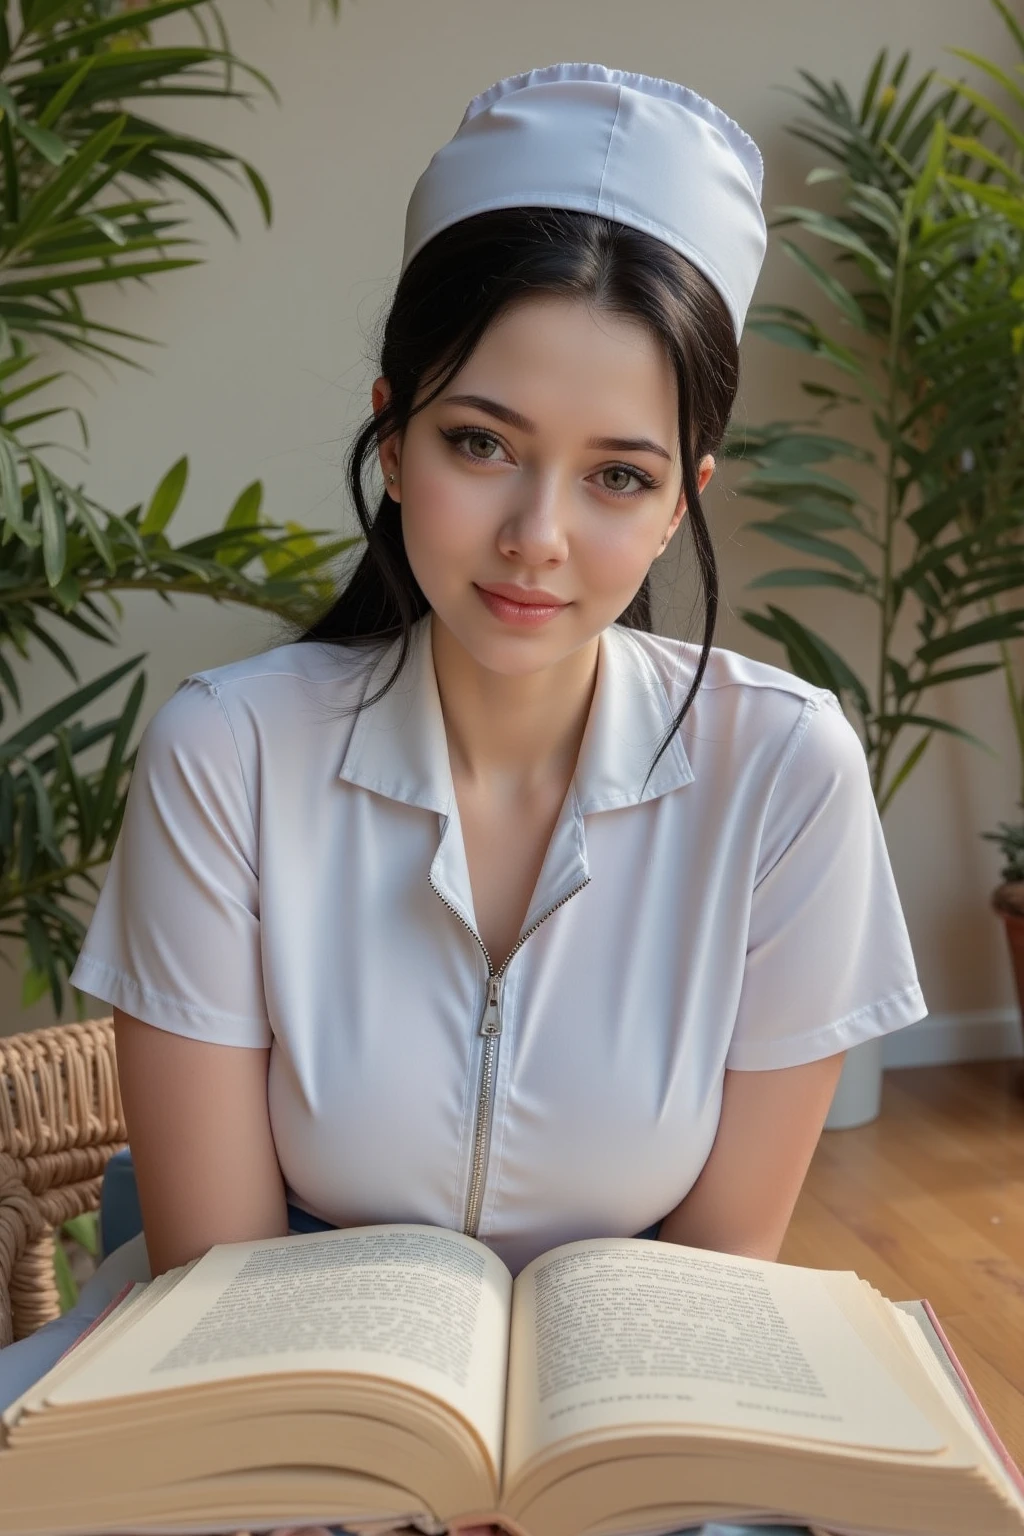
394,1375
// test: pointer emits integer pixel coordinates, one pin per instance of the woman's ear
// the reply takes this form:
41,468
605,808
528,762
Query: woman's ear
390,450
380,394
707,469
704,473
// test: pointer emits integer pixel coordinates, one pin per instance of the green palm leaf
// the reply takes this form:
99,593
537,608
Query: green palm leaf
928,254
809,544
1002,626
806,576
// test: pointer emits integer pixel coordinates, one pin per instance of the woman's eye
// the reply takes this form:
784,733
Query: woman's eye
480,437
618,469
458,436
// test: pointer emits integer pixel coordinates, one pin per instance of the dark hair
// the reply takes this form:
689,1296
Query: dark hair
452,290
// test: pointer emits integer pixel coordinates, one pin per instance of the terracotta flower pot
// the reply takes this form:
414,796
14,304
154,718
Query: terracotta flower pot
1008,901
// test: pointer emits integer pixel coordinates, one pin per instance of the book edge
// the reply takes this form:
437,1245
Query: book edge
984,1422
111,1306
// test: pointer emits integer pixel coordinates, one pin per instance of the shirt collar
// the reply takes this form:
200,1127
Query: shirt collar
399,747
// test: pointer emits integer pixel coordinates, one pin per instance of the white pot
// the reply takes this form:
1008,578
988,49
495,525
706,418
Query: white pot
858,1095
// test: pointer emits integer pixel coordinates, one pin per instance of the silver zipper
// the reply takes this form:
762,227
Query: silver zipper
490,1028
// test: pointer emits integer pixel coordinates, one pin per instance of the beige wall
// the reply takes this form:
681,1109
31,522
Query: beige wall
265,368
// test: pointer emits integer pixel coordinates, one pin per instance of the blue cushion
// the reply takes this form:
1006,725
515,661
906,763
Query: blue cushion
120,1214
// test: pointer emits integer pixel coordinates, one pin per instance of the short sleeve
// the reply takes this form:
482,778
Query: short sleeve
175,934
828,958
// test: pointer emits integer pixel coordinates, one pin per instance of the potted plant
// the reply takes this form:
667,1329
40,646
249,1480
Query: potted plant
931,324
1008,901
70,143
999,451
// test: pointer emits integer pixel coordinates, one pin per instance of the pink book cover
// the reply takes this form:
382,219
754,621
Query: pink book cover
114,1302
985,1423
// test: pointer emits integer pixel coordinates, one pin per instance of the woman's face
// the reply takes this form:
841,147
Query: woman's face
486,500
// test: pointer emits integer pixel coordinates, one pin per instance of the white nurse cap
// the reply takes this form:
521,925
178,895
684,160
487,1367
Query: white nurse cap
644,151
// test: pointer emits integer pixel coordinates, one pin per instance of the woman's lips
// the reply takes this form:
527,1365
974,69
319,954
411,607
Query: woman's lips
525,615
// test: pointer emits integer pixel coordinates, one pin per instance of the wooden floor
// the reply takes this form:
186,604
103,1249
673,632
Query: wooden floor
928,1201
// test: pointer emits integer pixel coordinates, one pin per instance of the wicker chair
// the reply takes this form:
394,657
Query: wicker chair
61,1120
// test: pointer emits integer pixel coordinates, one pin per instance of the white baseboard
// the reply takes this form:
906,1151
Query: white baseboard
989,1034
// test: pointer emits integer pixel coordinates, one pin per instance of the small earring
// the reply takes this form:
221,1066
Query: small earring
391,479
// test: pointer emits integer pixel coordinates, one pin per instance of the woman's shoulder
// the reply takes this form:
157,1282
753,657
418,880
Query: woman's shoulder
258,703
747,713
329,662
676,662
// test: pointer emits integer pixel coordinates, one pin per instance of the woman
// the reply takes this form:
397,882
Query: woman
473,957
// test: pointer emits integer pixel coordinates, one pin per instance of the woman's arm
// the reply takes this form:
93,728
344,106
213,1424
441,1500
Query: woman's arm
745,1194
202,1147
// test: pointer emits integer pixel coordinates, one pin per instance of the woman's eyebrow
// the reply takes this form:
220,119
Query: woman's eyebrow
523,424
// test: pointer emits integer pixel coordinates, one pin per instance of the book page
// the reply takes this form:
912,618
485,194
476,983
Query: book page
140,1298
619,1332
915,1309
418,1304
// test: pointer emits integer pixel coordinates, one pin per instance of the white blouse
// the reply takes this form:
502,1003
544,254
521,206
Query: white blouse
292,877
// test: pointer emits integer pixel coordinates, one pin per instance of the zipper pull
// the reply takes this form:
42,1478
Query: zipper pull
491,1022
